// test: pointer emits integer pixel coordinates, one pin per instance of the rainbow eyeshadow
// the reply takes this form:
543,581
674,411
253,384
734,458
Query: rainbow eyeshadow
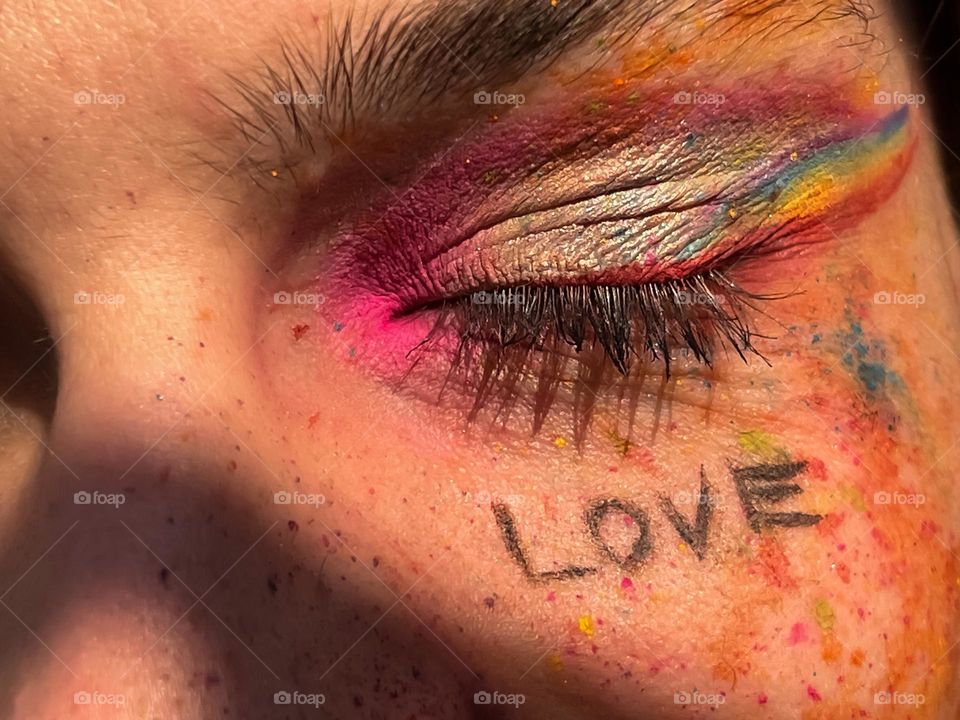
623,187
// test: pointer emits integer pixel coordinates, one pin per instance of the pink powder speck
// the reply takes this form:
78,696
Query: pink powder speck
551,596
798,634
626,584
812,692
762,698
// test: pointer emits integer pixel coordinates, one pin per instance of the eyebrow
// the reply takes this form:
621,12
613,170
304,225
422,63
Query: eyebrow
409,59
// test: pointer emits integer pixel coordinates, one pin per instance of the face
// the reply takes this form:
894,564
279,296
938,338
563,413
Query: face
496,359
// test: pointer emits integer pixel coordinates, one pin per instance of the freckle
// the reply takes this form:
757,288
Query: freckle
312,420
202,345
293,526
182,379
489,602
164,574
232,465
376,561
371,491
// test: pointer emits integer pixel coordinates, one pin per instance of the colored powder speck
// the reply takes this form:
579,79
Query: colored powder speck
872,375
560,442
798,634
843,572
812,692
830,648
299,331
554,662
585,623
757,442
854,497
762,698
551,596
626,584
824,615
337,326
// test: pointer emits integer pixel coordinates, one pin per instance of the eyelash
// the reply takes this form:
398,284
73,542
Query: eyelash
537,333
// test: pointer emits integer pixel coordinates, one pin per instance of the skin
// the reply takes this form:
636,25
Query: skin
198,398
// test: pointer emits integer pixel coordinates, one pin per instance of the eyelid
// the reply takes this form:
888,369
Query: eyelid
664,190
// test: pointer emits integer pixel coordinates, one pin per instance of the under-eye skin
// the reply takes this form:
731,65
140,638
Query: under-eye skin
615,234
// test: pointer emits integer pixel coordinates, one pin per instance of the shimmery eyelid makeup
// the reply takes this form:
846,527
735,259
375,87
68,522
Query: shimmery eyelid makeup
619,188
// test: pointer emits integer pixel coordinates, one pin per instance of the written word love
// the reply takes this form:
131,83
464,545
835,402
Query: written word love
760,488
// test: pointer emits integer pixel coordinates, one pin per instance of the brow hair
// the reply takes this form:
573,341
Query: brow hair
402,60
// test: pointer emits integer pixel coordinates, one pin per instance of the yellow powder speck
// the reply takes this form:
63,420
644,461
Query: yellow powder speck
732,212
757,442
619,82
554,662
274,173
794,156
560,442
824,615
586,625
